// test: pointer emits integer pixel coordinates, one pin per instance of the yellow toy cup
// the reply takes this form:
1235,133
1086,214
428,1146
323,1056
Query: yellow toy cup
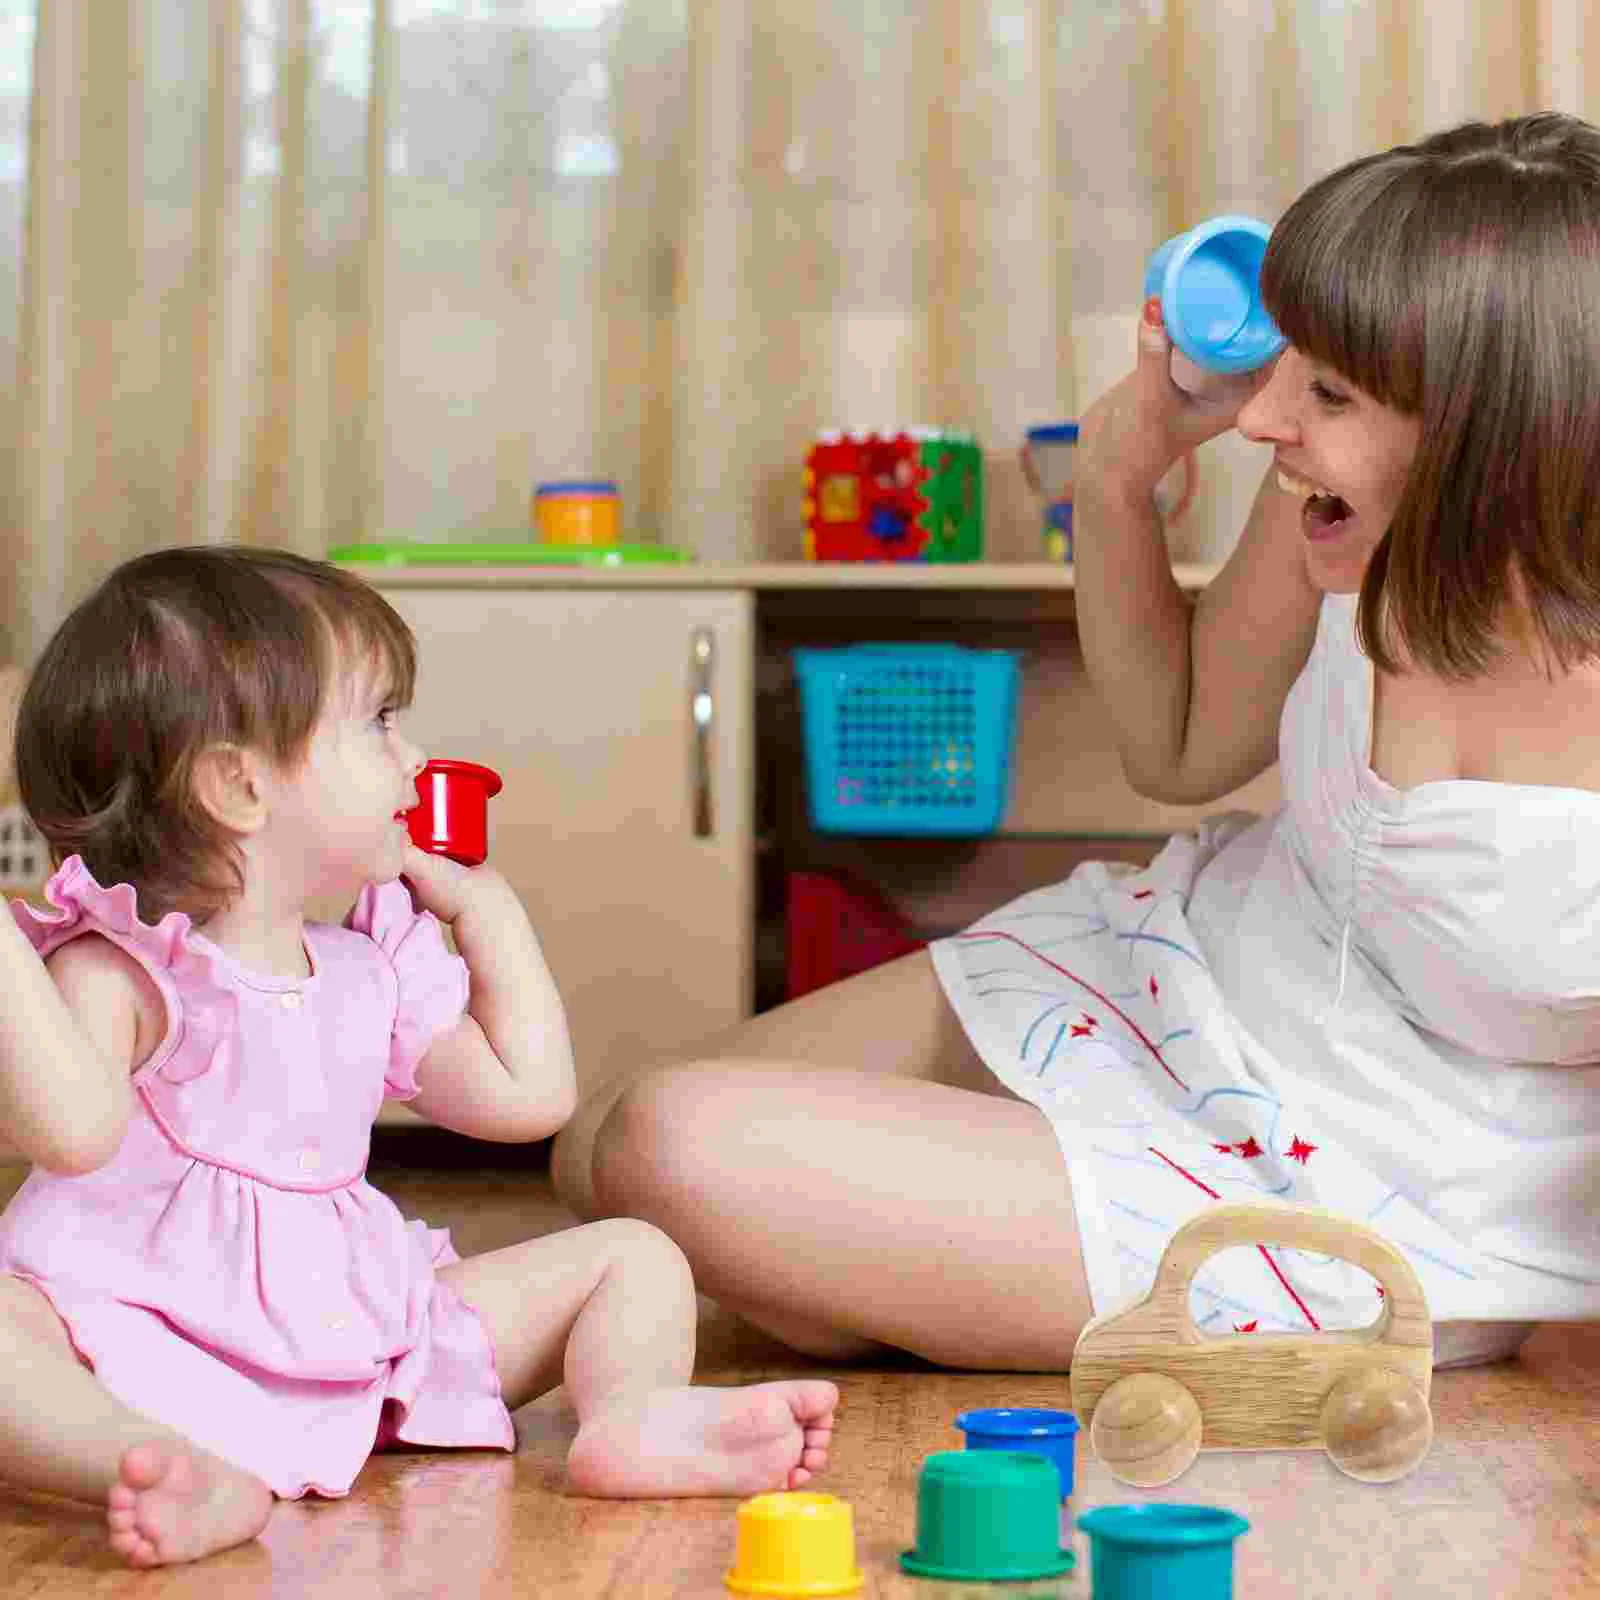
794,1543
587,513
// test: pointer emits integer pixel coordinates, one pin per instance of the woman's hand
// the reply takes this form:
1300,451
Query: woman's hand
445,887
1133,434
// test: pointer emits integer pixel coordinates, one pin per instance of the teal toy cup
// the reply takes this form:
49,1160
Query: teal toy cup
1051,1434
1155,1551
1209,283
987,1516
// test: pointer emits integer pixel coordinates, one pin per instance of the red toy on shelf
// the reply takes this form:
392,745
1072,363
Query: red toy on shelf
836,928
912,495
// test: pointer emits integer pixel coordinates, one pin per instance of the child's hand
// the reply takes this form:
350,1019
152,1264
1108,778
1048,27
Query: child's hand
445,887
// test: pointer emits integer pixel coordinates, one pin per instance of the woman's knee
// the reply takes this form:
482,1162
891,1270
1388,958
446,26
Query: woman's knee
646,1148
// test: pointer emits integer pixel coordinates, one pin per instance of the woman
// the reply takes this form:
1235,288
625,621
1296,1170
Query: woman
1385,999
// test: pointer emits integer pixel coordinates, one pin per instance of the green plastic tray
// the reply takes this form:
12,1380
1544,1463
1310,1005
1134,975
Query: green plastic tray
520,553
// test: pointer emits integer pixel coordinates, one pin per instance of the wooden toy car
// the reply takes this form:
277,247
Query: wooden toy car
1150,1388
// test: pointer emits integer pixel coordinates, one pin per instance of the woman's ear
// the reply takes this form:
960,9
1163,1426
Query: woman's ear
230,785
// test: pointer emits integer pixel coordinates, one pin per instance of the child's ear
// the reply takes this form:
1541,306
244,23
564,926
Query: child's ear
230,786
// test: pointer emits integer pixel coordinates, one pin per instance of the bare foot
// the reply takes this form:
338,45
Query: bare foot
706,1441
176,1504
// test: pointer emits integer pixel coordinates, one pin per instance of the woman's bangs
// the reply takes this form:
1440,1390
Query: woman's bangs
1345,292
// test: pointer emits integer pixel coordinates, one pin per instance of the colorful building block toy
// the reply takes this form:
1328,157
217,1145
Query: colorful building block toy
916,495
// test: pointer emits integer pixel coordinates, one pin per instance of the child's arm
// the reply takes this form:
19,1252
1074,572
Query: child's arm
65,1098
505,1071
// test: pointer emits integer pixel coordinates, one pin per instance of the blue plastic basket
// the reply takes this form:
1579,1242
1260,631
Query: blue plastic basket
907,738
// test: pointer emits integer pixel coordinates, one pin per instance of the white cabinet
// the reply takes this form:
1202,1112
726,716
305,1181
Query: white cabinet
624,826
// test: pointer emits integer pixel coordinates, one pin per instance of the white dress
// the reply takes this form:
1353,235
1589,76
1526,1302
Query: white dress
1381,1002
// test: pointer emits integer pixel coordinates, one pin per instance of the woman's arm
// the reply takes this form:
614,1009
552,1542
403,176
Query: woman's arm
506,1071
1193,692
65,1099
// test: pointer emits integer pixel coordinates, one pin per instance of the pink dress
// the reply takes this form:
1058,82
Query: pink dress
230,1272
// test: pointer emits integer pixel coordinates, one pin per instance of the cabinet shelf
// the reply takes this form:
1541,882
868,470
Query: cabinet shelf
765,576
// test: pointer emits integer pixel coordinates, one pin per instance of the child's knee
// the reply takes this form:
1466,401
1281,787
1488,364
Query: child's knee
635,1246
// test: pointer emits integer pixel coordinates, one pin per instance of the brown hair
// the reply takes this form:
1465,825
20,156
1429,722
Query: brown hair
175,651
1458,280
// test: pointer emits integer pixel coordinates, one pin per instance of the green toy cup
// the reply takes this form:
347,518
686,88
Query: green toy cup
1154,1550
988,1516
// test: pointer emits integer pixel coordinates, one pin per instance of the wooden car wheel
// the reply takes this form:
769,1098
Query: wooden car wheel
1146,1429
1376,1425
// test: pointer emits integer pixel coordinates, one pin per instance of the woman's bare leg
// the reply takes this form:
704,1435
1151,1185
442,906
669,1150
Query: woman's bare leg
869,1207
892,1020
63,1431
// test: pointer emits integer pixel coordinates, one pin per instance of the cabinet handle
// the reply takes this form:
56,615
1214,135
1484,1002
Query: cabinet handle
702,650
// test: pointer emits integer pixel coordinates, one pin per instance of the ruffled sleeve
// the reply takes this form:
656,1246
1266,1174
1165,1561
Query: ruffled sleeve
433,983
79,904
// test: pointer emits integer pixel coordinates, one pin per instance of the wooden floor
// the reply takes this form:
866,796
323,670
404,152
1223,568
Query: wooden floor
1507,1502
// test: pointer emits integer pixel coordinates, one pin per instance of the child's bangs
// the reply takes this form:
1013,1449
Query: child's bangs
1346,288
369,632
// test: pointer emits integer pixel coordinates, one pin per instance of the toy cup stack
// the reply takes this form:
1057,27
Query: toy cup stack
1048,457
1047,465
988,1516
578,512
1209,283
451,817
1152,1551
1051,1434
794,1543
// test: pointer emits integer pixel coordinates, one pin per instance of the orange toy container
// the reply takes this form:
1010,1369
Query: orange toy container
587,513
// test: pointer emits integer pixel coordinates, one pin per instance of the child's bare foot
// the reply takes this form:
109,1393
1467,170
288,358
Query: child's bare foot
175,1504
706,1441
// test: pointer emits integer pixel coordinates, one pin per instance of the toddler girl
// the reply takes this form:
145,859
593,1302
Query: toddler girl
203,1303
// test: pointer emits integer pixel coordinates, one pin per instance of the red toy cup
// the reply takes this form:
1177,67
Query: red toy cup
452,816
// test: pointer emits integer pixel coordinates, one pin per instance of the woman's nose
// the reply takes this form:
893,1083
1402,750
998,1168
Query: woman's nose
1267,417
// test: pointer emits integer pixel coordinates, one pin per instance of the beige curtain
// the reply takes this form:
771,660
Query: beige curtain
314,272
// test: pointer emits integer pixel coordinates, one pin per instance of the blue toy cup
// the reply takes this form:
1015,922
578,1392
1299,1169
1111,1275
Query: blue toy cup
1209,284
1052,1434
1155,1551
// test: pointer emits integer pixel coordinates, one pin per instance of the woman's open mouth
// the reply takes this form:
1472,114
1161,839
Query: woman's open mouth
1324,515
